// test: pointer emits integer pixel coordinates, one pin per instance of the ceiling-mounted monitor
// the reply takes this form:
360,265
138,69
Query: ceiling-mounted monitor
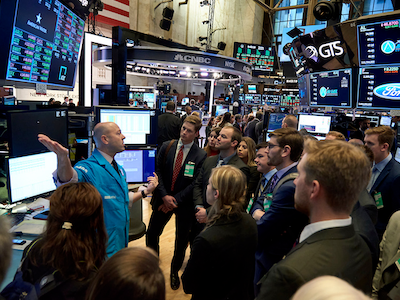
271,99
379,87
331,88
261,57
379,43
41,42
304,89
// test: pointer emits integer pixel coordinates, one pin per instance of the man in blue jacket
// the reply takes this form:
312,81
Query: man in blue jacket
279,224
106,175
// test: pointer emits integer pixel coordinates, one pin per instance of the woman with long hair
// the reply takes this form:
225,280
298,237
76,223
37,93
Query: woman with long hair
223,253
209,128
132,273
226,119
73,245
247,152
212,139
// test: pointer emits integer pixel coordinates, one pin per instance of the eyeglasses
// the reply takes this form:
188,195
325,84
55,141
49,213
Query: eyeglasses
270,146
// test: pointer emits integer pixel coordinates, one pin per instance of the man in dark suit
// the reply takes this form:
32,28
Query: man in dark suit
169,125
363,125
178,164
331,176
251,126
228,140
238,122
278,222
385,178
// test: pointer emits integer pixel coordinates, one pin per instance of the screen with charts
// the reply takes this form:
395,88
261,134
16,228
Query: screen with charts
259,56
31,176
315,124
139,126
271,99
331,88
45,43
138,164
379,43
379,87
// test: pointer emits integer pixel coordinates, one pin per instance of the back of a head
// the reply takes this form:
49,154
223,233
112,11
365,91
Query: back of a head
132,273
170,106
227,117
259,115
75,237
5,247
188,109
290,137
328,288
290,121
336,135
231,184
342,169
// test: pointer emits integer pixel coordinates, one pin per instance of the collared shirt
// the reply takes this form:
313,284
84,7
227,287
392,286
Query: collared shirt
376,171
284,170
226,159
186,149
269,175
312,228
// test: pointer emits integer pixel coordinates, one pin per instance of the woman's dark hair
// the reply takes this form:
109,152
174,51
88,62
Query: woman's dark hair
75,239
210,122
226,119
208,148
132,273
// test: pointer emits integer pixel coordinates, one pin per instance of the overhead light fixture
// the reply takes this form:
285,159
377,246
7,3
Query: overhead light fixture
202,38
204,2
205,22
203,74
189,74
329,11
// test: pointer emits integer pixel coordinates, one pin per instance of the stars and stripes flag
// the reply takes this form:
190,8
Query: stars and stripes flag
115,13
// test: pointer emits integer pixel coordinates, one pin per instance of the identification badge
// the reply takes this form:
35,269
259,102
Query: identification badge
267,201
378,200
189,170
398,264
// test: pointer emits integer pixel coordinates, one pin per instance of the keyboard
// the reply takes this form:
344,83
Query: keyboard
16,219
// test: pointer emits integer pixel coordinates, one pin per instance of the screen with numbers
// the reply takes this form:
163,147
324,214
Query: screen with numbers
45,43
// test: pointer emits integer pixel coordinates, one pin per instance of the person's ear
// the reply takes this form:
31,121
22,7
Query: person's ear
216,194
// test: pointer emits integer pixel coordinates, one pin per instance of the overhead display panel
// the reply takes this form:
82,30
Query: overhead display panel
261,57
45,43
331,88
379,87
379,43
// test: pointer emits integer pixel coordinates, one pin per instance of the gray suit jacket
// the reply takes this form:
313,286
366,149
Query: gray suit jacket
336,251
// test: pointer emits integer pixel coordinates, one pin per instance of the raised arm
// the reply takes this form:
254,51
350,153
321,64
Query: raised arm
64,167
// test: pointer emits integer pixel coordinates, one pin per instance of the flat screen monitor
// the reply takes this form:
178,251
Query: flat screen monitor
331,88
304,89
275,121
138,125
397,156
10,100
252,99
252,89
185,100
379,87
315,124
23,128
385,120
45,39
221,109
149,98
31,176
261,57
290,100
379,43
271,99
138,164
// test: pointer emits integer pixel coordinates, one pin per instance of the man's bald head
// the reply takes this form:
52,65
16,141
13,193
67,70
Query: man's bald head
101,129
108,138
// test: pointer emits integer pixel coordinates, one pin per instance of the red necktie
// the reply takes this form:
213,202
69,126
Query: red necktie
177,167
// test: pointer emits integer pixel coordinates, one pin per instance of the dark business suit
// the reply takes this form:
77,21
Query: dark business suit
251,130
183,191
336,251
278,228
199,190
221,263
387,184
169,128
238,127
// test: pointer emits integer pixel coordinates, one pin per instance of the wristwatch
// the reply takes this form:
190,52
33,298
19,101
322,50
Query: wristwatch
143,194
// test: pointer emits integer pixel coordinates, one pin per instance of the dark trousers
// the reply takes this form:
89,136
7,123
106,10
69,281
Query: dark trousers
184,217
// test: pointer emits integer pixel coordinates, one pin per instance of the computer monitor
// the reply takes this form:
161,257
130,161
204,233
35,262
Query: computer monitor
138,164
397,156
315,124
30,176
385,120
138,125
275,121
23,128
271,99
221,109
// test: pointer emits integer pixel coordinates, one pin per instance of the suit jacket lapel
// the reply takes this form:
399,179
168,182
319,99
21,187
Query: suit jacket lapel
383,175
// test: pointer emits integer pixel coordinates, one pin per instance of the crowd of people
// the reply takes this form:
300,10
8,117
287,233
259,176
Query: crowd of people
291,218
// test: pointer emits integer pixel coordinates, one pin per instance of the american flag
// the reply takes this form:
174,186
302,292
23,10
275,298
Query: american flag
115,13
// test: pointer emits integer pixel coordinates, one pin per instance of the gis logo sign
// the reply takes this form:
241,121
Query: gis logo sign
63,73
390,91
